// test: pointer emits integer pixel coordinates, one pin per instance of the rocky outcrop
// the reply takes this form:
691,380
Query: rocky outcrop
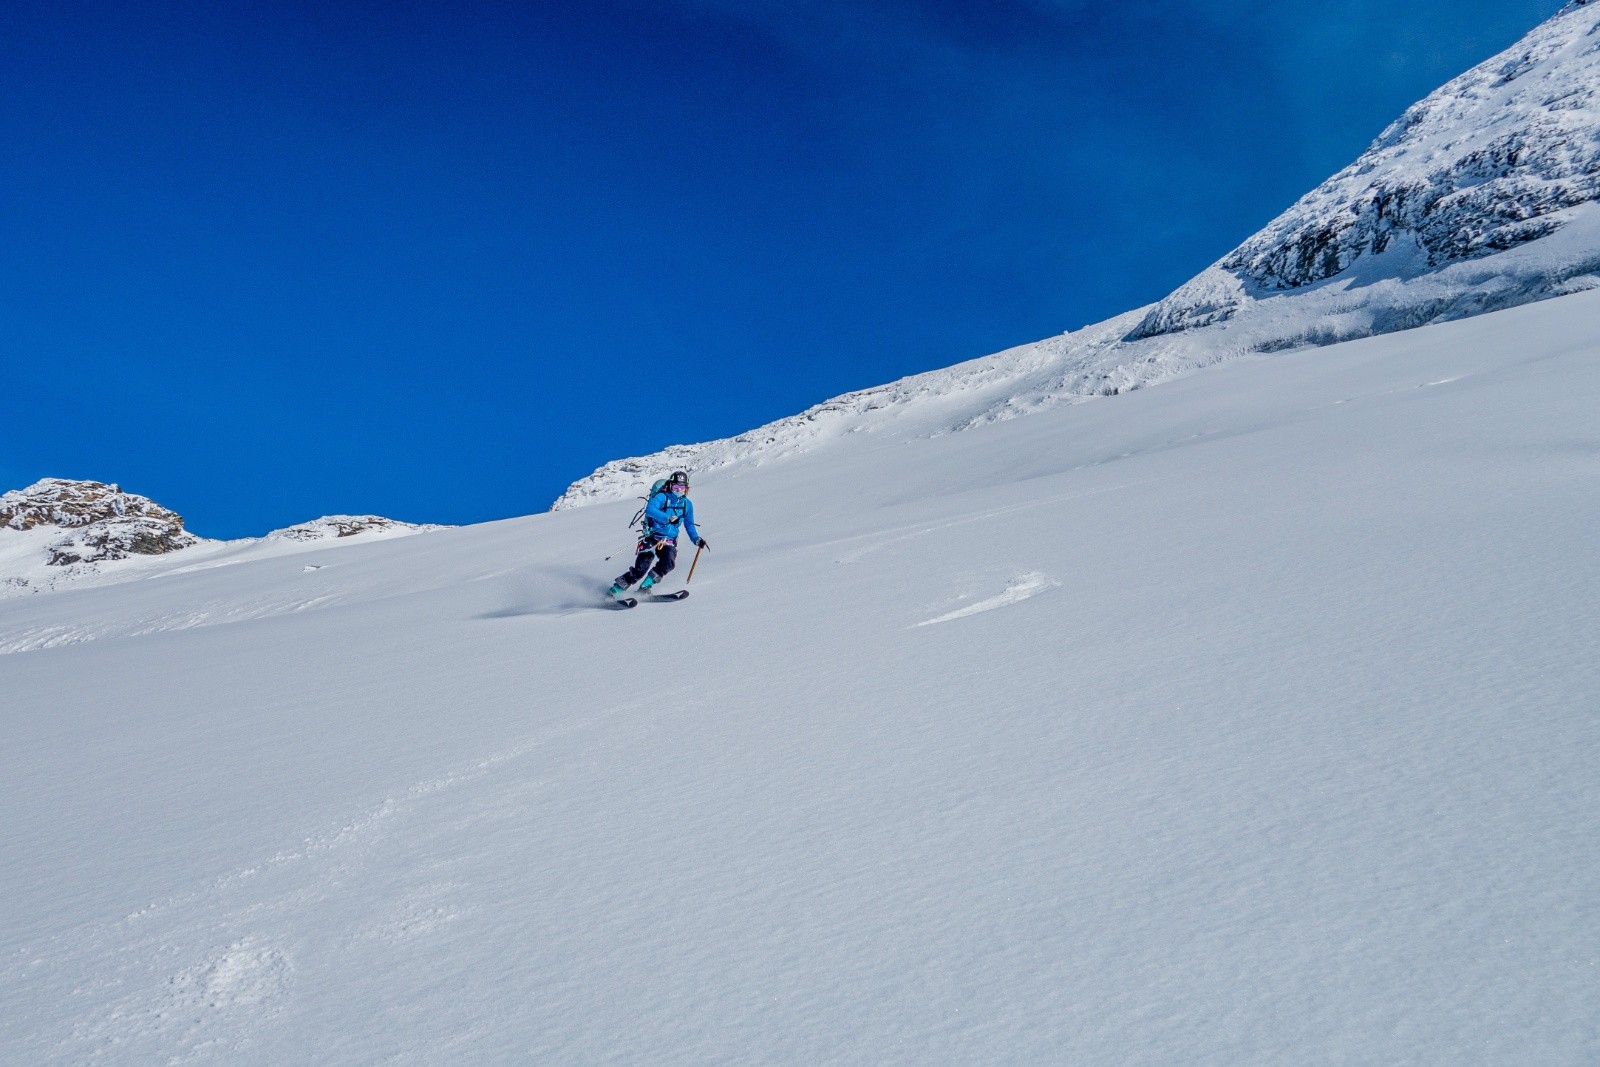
335,526
98,520
1493,160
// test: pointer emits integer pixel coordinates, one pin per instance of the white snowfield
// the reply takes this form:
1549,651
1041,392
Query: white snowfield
1482,196
1251,719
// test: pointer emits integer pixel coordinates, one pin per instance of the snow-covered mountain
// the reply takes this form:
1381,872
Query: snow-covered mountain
101,521
61,531
337,526
1505,155
1481,196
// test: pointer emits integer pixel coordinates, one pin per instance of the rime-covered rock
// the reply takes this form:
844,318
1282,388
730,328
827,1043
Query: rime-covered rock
1494,159
331,527
98,521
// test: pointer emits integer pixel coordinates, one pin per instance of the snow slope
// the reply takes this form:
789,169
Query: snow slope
1251,719
1483,196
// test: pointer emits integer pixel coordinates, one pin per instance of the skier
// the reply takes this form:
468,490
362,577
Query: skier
658,544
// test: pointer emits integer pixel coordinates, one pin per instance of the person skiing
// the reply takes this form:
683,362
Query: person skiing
658,543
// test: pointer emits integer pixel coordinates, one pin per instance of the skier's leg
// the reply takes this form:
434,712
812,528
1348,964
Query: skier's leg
641,563
666,559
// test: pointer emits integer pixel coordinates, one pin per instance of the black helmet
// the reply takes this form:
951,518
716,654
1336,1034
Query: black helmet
677,477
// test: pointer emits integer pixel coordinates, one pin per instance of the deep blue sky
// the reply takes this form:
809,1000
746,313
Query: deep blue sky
264,260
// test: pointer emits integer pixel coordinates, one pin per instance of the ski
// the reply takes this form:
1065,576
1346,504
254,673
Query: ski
633,601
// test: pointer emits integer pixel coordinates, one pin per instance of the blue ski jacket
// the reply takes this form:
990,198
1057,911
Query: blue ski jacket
664,511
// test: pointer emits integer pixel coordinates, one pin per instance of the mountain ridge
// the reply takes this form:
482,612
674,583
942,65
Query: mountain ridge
1483,195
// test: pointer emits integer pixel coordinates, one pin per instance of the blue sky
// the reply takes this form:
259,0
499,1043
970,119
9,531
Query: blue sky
264,261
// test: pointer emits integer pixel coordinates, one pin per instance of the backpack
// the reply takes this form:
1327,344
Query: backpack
638,517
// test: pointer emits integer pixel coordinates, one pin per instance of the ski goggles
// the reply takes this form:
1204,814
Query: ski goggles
678,487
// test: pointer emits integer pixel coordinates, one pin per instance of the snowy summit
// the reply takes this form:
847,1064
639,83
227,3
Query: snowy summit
57,530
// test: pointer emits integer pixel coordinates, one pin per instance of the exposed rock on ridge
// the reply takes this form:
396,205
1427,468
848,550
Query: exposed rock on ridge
336,526
101,522
1493,159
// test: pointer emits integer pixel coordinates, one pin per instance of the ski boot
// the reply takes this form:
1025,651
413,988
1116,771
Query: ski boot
648,585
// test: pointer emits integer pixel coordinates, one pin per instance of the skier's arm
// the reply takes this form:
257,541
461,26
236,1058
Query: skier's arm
655,510
688,522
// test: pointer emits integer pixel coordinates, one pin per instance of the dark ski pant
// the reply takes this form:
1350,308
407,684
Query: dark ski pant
663,554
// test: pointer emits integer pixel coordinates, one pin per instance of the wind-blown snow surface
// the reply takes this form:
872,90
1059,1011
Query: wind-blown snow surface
1256,722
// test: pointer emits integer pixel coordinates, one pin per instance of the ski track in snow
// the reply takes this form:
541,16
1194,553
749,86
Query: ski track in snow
1017,590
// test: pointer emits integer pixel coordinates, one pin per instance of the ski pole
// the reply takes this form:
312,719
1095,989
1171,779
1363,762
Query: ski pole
631,524
693,563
